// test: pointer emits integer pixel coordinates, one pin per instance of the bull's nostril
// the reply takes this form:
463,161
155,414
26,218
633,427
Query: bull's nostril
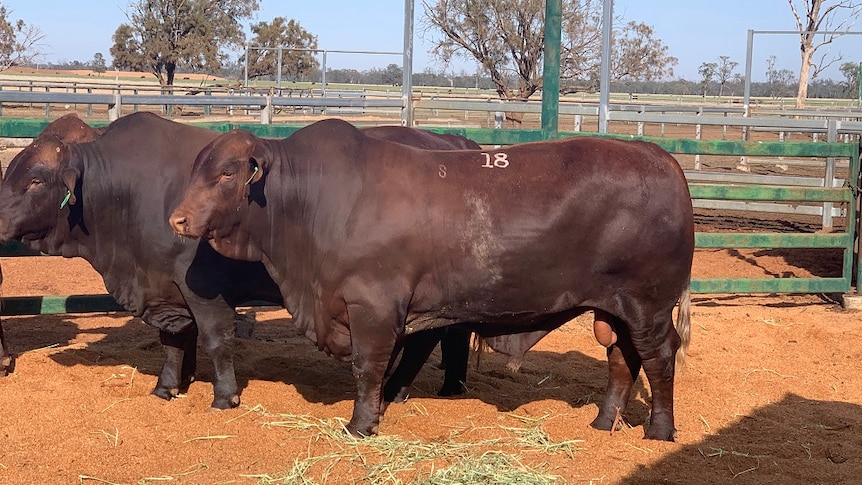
179,223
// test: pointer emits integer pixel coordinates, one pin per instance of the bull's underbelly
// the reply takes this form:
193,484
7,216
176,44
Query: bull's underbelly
491,313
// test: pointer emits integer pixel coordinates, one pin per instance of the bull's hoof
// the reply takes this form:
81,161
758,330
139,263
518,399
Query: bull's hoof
361,431
186,383
401,396
660,433
7,365
395,395
225,402
602,423
166,393
451,390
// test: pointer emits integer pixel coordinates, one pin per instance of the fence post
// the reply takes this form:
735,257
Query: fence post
116,110
266,111
829,175
641,123
698,134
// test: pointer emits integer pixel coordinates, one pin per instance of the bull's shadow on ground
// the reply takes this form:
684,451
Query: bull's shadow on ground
279,353
796,440
818,262
28,333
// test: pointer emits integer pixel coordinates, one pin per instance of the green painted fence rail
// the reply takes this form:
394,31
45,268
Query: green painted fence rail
771,240
57,305
13,128
769,192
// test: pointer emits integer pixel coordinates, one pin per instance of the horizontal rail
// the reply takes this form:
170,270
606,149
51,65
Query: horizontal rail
770,240
769,207
750,178
770,285
771,193
7,96
55,305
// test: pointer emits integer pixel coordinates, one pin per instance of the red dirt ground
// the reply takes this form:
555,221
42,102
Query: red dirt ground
772,394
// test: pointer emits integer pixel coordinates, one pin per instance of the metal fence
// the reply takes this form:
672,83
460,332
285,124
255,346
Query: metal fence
828,196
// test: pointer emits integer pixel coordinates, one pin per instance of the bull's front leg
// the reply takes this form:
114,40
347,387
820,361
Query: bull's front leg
178,371
216,335
373,336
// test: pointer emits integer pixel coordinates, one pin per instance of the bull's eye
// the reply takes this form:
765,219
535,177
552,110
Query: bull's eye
35,184
226,175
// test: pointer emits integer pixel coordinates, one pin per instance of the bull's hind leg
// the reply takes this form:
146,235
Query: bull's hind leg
624,364
416,350
658,347
455,348
7,358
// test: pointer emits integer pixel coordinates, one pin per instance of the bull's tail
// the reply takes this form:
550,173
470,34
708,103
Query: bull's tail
683,324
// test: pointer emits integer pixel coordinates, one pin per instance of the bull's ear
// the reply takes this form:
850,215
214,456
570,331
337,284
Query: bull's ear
70,173
69,176
259,161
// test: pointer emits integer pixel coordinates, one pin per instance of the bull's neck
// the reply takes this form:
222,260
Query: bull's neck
288,247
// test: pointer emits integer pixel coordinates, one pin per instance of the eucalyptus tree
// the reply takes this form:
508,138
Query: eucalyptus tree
813,16
506,38
296,44
162,35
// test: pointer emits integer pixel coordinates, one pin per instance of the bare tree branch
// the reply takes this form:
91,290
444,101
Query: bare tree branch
20,43
837,17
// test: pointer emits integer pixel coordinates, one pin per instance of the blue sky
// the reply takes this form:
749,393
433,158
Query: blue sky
696,31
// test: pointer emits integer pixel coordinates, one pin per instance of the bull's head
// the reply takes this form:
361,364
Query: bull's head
38,183
41,181
215,204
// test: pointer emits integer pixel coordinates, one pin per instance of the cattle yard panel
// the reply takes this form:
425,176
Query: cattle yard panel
846,195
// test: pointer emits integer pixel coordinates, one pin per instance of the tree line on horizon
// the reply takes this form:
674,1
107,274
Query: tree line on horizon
504,39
